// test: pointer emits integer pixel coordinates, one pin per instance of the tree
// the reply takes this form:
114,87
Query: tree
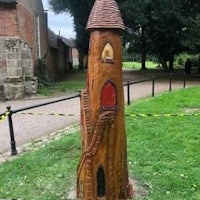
165,31
192,38
162,28
135,15
80,11
158,26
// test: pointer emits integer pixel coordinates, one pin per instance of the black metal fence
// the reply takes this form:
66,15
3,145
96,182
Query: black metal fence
10,112
184,78
127,84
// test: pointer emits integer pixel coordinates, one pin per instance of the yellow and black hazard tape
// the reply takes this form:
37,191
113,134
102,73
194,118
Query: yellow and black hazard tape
162,115
4,116
127,115
49,114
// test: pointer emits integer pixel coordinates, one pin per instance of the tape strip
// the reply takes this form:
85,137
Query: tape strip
162,115
128,115
4,116
49,114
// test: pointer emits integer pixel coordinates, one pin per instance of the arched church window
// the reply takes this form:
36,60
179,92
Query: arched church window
108,54
109,96
101,184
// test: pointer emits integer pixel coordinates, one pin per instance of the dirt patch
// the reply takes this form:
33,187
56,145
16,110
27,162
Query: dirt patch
191,110
140,191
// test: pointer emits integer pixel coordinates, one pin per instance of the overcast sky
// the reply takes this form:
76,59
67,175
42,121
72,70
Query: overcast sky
59,22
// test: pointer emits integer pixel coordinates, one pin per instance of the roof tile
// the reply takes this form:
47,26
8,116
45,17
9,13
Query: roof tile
105,14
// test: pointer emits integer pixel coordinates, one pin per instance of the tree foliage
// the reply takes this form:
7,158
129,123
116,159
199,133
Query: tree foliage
159,27
163,28
79,10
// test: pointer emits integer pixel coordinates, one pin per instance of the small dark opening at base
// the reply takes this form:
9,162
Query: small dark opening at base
101,188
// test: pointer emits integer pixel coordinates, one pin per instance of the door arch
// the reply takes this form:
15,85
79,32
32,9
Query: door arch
109,96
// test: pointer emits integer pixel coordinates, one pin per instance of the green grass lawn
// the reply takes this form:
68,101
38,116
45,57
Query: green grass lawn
163,154
74,82
137,65
164,151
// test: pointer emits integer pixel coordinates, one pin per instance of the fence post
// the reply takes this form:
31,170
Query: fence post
128,92
79,94
170,82
12,136
153,86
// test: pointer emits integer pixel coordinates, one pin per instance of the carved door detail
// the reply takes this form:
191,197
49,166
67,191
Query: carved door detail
109,97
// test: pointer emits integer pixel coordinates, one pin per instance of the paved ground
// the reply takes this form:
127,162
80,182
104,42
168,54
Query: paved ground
29,127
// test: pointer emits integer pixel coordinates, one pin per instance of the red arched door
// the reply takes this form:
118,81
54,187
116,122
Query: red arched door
109,97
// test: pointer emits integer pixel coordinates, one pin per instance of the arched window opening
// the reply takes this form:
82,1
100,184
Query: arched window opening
101,184
108,54
109,97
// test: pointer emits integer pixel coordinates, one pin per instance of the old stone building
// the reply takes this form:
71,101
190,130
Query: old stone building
23,40
60,55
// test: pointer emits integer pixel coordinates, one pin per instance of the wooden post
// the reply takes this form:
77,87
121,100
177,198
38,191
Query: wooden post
102,171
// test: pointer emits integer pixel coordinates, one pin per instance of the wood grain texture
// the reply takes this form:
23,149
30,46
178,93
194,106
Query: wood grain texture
102,172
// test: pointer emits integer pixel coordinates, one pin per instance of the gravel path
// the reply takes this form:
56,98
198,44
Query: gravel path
30,127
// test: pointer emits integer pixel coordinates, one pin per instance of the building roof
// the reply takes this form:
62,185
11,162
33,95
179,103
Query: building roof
52,39
68,42
8,1
105,14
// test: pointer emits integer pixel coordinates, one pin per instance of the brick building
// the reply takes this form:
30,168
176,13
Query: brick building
61,57
23,40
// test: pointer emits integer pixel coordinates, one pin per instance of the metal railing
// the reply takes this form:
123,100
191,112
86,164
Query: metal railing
9,112
129,83
170,77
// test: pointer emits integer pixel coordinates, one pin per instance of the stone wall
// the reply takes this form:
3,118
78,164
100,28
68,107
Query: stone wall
16,69
27,13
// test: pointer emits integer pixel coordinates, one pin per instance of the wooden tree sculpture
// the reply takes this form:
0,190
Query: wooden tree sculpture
102,173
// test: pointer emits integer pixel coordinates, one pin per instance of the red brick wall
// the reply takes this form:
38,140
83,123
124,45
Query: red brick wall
27,11
26,27
34,8
8,21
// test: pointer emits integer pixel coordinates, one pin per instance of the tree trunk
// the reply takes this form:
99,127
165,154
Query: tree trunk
163,63
199,65
143,55
171,63
81,65
83,61
143,48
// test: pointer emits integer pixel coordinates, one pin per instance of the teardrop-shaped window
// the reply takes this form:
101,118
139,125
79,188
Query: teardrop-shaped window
108,54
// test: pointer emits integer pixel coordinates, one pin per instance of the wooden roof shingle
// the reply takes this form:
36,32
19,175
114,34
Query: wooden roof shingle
105,14
8,1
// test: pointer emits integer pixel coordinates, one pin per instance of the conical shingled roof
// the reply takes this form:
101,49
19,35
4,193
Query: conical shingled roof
105,14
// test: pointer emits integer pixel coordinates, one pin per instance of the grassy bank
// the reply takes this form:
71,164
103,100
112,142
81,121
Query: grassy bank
163,154
46,174
164,151
137,65
73,82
